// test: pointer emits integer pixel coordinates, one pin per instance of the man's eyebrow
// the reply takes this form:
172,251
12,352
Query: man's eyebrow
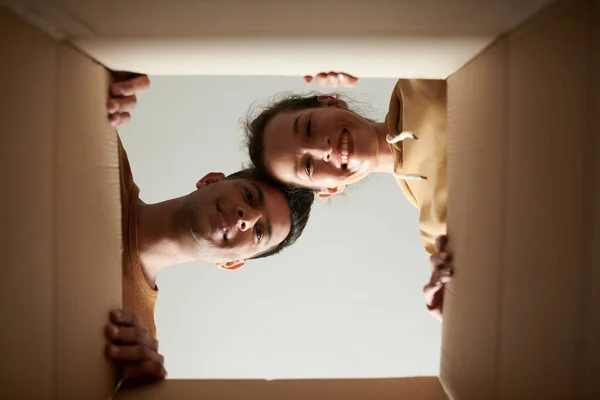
261,196
295,128
261,200
295,132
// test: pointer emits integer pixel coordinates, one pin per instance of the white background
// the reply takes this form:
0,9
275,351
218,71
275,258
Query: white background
344,301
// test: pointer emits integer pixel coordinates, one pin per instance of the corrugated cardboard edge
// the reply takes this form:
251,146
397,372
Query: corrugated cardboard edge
88,240
417,388
477,178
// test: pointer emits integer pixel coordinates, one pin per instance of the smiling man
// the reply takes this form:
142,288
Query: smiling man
225,221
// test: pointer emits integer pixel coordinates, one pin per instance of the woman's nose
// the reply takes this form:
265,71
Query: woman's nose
324,149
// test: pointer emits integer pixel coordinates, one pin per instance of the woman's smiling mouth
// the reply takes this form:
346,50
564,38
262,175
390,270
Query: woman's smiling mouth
345,148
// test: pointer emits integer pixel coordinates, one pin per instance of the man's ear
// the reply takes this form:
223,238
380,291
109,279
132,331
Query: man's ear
232,265
331,101
328,192
210,178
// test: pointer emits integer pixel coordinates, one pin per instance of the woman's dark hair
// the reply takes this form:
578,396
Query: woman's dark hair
300,201
254,127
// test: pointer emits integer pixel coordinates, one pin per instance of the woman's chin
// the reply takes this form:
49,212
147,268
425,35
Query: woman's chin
361,167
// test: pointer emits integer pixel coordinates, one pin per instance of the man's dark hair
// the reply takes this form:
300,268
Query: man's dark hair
300,201
254,127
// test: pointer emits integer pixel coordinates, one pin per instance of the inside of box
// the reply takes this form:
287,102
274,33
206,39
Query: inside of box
487,365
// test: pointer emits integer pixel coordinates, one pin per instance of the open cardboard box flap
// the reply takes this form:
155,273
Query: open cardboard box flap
524,172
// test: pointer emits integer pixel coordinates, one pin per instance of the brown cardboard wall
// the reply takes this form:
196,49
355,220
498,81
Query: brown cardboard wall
61,259
293,37
523,148
477,104
419,388
87,233
27,66
591,328
543,298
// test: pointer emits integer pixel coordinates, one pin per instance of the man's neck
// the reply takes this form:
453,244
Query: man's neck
160,238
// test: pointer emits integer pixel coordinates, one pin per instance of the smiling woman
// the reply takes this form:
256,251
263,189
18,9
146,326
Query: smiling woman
317,141
321,146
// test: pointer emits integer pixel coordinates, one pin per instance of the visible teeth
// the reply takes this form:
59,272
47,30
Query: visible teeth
344,151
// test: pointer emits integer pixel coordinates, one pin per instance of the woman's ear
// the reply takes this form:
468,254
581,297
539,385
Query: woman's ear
209,178
328,192
331,101
231,265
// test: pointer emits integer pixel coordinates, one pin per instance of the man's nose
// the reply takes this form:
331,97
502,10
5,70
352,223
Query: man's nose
246,218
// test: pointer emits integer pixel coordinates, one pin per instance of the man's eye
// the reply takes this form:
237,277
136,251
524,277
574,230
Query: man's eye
259,234
308,133
249,197
308,166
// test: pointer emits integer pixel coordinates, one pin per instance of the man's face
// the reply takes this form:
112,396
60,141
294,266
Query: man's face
233,220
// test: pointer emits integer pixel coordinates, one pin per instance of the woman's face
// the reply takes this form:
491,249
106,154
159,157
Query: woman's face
325,148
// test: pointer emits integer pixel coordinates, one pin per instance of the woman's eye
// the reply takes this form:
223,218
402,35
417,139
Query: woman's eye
259,235
308,166
249,197
308,128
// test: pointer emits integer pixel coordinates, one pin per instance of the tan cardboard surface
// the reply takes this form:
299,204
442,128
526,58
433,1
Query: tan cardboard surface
544,269
521,318
61,267
419,388
477,97
591,328
27,77
421,39
88,262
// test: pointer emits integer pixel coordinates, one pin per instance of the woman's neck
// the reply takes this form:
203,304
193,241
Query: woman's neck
385,158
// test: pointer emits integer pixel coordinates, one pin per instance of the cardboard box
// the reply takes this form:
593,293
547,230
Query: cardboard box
61,222
521,318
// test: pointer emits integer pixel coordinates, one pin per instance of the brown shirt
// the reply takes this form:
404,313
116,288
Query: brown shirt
419,106
138,296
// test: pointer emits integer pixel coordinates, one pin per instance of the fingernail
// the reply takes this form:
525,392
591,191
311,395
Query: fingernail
113,350
124,89
111,105
114,331
113,119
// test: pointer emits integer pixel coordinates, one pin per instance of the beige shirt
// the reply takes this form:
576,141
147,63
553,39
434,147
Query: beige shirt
419,106
138,296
